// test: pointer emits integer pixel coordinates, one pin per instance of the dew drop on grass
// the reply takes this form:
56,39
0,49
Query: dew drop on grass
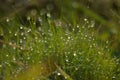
28,18
86,36
21,41
7,20
58,74
24,38
73,29
29,30
15,34
22,34
85,19
21,27
66,77
67,60
48,15
10,43
14,59
28,58
7,55
76,68
10,32
39,19
75,54
0,66
21,48
78,26
69,37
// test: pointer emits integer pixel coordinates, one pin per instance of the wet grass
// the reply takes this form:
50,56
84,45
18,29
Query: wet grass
66,48
57,50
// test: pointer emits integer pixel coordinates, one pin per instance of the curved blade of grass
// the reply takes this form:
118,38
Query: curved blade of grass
67,77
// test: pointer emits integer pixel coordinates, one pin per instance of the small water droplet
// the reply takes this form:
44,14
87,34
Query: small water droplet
67,60
48,15
66,77
28,18
78,26
58,74
10,31
69,37
14,59
22,34
75,54
113,77
0,66
21,48
7,55
85,19
21,41
21,27
7,20
24,38
15,34
29,30
28,58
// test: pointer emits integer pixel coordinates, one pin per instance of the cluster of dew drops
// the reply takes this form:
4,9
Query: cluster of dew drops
23,32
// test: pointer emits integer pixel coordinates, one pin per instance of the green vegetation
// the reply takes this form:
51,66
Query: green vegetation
58,46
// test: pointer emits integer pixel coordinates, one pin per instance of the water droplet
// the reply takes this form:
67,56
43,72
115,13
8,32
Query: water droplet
78,26
0,66
99,52
67,60
29,30
85,19
113,77
7,20
92,24
22,34
28,58
15,34
69,37
21,27
21,41
24,38
66,77
73,29
14,59
10,31
75,54
28,18
48,15
58,74
7,55
86,36
21,48
76,68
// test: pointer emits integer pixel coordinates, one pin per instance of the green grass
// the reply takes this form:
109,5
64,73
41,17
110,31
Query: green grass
64,47
56,51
